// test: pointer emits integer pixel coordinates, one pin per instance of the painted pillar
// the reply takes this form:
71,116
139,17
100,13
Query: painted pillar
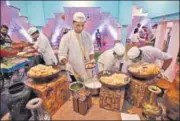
124,34
125,17
160,36
173,49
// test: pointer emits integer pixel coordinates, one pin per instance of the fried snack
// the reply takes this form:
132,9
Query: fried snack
115,79
90,65
21,53
151,69
41,71
29,55
145,69
25,54
135,69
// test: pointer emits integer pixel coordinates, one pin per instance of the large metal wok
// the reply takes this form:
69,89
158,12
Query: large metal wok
48,78
109,73
138,75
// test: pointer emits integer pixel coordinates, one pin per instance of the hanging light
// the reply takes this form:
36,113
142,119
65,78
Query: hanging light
7,3
80,3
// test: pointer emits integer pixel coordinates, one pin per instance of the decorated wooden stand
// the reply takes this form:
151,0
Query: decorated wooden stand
112,99
54,94
137,91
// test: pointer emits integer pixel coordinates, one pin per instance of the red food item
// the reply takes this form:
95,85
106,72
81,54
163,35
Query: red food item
19,45
13,52
6,53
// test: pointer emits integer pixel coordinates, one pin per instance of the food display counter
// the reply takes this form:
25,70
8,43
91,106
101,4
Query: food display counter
14,57
136,93
9,65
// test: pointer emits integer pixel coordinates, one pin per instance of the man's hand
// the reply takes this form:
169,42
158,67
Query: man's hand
91,64
64,61
35,46
166,64
93,61
162,75
91,57
69,68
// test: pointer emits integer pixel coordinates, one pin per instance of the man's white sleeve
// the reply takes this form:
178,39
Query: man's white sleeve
108,65
63,48
42,44
160,54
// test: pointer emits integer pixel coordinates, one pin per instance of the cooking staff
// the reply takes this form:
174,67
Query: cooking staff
150,54
136,37
5,38
144,33
153,35
137,28
111,58
76,48
41,43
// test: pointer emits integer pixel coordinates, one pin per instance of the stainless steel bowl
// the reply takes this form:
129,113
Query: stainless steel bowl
77,85
93,85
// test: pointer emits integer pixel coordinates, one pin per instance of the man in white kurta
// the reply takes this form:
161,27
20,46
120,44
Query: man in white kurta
43,46
76,48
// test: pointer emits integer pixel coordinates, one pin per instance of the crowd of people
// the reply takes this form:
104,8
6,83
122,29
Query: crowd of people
76,49
142,34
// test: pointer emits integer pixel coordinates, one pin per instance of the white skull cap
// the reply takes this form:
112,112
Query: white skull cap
133,53
32,30
79,17
119,49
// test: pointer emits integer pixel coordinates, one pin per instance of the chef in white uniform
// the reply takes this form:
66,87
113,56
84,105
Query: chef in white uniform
111,59
41,43
76,49
150,54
